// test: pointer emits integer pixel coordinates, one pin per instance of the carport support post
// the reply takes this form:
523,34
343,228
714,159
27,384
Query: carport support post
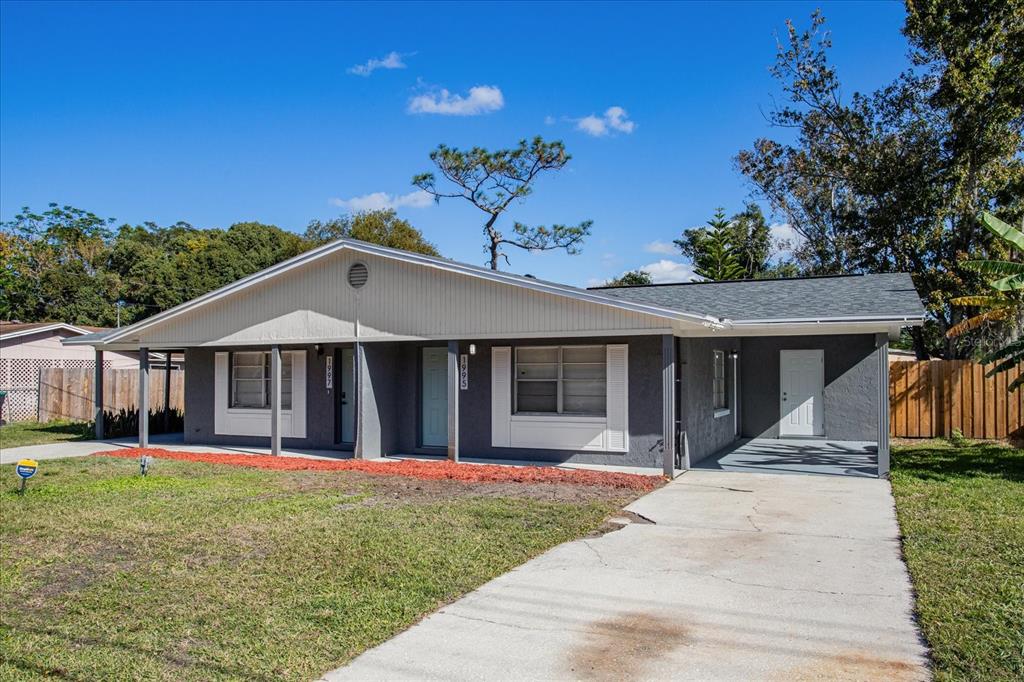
97,395
275,400
453,401
143,397
882,345
668,406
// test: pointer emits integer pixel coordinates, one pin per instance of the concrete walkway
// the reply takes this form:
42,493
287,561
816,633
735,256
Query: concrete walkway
741,576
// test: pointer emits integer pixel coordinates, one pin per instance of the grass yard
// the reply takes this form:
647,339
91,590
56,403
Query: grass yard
961,512
206,571
16,434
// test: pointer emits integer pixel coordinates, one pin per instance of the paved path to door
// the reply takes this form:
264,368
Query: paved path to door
742,576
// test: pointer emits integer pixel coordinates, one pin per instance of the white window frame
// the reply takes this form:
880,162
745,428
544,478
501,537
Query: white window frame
560,380
720,384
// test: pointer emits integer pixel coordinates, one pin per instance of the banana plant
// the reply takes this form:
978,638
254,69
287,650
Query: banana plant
1005,305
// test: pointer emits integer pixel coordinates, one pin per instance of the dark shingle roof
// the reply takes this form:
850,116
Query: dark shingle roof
889,295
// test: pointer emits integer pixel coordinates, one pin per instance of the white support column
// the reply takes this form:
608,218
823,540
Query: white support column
883,405
275,400
97,400
143,397
453,401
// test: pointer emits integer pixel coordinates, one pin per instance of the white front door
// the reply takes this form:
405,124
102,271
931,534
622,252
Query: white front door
434,397
803,393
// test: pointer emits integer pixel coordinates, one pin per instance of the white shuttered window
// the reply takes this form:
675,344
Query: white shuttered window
250,380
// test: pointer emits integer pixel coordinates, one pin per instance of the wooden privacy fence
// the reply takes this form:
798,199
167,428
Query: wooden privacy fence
68,393
931,398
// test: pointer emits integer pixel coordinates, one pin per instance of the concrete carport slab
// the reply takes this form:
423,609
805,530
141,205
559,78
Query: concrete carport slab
796,456
738,576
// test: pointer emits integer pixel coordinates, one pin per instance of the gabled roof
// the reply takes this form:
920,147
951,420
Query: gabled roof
10,330
598,297
843,298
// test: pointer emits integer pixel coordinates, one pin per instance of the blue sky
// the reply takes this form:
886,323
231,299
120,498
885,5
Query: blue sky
219,113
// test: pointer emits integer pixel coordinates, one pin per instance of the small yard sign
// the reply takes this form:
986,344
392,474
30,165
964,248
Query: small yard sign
26,469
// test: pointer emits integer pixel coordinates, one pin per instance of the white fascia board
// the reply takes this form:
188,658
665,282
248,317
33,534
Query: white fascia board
50,327
908,320
804,328
408,257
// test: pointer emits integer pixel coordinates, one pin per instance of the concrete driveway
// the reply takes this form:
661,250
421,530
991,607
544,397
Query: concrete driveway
741,576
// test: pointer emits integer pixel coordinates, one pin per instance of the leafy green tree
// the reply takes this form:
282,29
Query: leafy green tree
892,180
718,260
632,278
1005,306
492,181
749,240
58,267
382,227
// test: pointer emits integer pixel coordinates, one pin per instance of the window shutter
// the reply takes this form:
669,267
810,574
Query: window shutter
221,390
617,433
501,396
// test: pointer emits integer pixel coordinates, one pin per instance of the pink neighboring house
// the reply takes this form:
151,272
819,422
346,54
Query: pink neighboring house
27,347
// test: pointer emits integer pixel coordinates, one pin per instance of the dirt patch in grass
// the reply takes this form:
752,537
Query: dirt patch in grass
425,470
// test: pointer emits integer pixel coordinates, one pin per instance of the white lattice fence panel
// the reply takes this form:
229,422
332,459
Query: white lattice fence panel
19,377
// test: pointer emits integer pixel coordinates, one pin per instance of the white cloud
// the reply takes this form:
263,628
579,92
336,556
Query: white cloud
614,119
482,99
665,271
665,248
393,60
784,232
380,200
549,120
618,119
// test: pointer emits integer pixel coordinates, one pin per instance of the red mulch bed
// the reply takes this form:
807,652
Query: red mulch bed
428,470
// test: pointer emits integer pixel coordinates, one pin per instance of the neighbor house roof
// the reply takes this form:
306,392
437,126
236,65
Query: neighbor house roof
889,296
10,330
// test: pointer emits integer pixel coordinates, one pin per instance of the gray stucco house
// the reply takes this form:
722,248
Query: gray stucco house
376,351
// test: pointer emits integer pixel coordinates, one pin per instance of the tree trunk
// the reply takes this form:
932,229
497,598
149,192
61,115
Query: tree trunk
494,239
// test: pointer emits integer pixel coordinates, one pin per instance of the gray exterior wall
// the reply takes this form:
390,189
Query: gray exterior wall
390,410
645,405
320,403
705,433
851,384
392,376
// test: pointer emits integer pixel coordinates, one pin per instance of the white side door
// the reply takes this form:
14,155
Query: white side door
803,392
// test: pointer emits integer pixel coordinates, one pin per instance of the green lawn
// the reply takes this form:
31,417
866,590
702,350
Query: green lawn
961,512
33,433
213,572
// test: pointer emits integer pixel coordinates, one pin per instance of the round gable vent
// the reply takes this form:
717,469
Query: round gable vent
357,275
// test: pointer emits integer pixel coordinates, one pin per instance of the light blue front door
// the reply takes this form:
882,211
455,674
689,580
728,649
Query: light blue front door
434,397
348,396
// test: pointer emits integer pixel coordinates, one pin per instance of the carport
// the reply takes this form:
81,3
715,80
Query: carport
796,456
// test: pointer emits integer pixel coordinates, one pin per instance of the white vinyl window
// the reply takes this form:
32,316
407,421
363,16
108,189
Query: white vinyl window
720,395
250,380
561,380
